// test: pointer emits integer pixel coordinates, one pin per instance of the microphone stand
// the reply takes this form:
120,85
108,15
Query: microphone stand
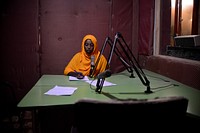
136,66
121,58
100,82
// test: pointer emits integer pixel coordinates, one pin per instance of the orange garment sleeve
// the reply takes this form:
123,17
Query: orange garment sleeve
73,65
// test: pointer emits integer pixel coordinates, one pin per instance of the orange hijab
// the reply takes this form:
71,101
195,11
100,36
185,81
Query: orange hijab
81,62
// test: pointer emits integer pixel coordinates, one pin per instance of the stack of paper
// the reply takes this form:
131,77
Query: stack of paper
61,90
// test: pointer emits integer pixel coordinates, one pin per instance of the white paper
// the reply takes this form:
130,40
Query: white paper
106,83
72,78
61,90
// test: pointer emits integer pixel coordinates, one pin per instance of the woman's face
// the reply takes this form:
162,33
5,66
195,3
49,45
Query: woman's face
88,46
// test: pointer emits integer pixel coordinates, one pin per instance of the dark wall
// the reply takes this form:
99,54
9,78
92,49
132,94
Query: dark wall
63,25
19,44
40,36
165,30
65,22
146,27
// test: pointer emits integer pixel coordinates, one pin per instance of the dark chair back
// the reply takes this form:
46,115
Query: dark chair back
159,114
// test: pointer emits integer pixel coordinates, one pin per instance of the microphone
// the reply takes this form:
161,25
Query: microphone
92,58
105,74
101,77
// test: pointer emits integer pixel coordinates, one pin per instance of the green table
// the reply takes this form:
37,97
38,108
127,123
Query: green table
126,88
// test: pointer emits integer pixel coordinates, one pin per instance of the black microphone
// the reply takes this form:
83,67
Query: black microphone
105,74
92,58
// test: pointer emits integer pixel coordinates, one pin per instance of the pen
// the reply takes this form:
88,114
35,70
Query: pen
75,71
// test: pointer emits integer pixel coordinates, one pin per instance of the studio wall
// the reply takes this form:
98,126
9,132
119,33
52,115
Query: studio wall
40,36
19,44
64,23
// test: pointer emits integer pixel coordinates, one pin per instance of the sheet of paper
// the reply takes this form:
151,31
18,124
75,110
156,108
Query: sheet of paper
61,90
71,78
106,83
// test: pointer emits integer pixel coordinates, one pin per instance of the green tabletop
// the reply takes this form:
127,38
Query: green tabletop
125,88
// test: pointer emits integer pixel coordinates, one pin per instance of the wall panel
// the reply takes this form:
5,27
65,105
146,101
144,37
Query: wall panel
19,44
63,25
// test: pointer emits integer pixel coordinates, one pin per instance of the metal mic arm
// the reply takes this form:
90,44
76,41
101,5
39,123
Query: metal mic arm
119,55
101,52
121,58
131,59
100,82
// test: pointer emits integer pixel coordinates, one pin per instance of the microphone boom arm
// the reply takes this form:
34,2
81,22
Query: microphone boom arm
128,66
136,66
100,82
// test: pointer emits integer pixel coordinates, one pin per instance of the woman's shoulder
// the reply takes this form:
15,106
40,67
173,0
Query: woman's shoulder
77,54
103,58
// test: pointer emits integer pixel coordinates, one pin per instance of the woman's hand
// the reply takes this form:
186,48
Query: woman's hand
79,75
76,74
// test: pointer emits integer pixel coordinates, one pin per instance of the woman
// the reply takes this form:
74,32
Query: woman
80,64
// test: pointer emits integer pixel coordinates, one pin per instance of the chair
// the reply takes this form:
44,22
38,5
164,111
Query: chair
158,114
9,114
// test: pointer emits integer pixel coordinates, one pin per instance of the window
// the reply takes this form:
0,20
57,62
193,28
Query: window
181,21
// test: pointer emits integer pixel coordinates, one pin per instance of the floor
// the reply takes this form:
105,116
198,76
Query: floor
17,123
